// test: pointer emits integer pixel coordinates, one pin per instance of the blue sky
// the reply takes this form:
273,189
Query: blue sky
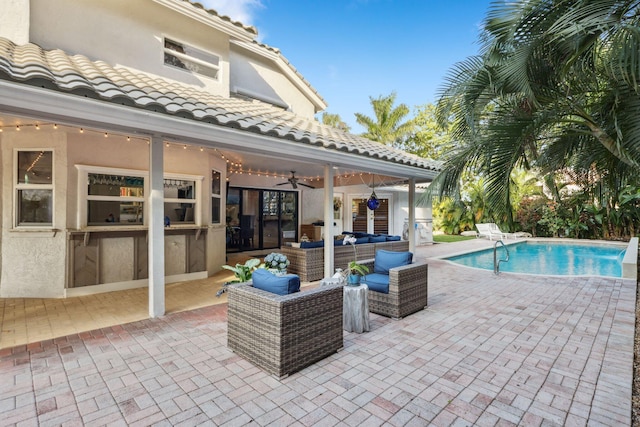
350,50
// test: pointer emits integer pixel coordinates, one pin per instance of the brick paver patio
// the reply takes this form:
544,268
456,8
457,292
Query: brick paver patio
506,350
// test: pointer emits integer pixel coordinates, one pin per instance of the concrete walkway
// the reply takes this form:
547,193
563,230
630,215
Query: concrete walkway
506,350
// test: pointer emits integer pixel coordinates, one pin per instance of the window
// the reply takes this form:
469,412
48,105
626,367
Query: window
180,200
216,196
189,58
117,197
34,188
114,199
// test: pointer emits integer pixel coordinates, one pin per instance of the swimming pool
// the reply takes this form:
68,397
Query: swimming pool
551,258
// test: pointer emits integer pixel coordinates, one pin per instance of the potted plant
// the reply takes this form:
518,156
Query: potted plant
276,262
242,273
355,270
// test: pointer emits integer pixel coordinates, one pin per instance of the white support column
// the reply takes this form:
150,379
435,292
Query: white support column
328,221
412,215
156,227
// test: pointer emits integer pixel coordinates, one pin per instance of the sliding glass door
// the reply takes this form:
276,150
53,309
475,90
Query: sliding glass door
260,219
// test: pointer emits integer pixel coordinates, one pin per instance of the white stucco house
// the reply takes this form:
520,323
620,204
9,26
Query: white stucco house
142,140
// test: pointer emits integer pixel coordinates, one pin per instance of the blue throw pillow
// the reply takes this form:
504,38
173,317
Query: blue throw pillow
308,245
393,238
385,260
377,282
281,285
377,239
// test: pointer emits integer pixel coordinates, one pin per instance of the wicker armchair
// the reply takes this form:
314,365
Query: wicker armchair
282,334
407,291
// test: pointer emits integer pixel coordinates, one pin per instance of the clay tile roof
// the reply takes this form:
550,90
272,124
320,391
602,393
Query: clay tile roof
79,75
213,12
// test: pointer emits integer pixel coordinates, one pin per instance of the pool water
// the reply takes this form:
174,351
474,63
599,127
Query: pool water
551,258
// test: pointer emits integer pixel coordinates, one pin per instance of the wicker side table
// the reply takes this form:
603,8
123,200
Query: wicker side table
355,313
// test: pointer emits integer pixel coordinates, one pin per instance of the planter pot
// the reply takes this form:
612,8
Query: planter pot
353,279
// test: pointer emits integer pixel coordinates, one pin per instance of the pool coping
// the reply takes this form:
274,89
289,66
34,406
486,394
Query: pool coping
630,260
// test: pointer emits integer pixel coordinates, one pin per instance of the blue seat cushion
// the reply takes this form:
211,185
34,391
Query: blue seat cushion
281,285
308,245
360,240
386,260
393,238
377,282
377,239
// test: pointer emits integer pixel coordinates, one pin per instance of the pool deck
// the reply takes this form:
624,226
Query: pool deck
489,350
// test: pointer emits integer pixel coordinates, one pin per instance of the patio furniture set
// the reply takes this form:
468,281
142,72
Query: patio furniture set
282,330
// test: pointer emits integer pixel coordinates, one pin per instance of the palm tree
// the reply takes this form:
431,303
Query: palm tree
387,126
556,85
334,120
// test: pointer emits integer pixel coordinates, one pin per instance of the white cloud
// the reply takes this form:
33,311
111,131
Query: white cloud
238,10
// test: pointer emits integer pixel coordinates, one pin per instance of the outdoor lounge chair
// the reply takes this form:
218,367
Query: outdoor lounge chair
491,230
282,334
518,234
407,291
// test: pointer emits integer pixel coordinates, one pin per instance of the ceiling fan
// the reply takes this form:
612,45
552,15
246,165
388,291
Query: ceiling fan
294,181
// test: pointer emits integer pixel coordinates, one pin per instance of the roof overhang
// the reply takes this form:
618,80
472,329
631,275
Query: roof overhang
49,105
198,13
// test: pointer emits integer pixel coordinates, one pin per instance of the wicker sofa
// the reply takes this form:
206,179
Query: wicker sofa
282,334
407,291
308,263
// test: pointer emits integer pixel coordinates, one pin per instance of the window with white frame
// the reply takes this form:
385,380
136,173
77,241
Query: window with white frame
115,198
34,188
183,56
180,200
216,196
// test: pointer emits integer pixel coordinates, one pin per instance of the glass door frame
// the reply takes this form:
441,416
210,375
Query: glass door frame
282,208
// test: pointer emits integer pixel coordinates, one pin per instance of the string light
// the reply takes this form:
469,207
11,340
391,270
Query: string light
233,167
36,160
236,168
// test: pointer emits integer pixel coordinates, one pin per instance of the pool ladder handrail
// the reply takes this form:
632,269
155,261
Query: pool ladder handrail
496,261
